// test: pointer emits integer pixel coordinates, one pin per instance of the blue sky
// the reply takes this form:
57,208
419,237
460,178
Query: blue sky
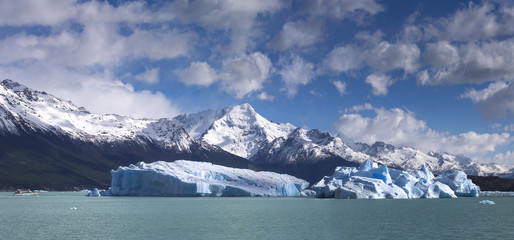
435,75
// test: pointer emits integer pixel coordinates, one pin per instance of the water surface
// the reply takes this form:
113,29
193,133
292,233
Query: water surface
74,216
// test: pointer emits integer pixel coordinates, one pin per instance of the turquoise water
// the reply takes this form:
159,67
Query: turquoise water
74,216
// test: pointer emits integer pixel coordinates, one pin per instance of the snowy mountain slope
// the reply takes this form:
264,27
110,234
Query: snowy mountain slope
49,142
243,132
306,146
410,158
238,129
25,110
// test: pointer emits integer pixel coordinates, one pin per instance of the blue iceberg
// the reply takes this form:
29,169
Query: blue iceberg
373,181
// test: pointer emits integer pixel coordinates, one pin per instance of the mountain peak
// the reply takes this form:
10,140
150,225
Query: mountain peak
15,86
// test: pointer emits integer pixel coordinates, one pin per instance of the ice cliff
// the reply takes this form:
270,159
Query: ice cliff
188,178
371,180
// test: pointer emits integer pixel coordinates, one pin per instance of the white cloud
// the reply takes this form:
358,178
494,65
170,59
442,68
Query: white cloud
297,34
494,101
36,12
379,83
386,56
343,59
375,53
475,22
441,54
198,73
245,74
340,9
295,72
150,75
265,97
476,62
400,127
84,45
499,104
509,128
506,158
358,108
340,86
236,18
99,92
481,95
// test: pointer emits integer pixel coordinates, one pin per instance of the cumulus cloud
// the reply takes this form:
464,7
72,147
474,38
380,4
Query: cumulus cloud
84,45
400,127
265,97
494,101
374,52
297,34
506,158
295,72
340,9
474,22
475,62
481,95
358,108
340,86
99,92
236,18
150,75
36,12
386,56
379,83
245,74
343,59
198,73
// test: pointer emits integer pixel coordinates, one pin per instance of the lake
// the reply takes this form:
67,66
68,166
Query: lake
71,215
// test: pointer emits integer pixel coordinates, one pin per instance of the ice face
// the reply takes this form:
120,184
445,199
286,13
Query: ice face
94,193
458,181
371,180
188,178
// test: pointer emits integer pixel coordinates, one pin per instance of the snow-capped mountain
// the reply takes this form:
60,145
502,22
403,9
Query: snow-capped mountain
37,126
43,135
23,110
238,129
242,131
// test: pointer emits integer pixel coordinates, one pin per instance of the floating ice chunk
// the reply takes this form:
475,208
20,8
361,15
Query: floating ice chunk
435,190
488,202
458,181
371,180
358,187
188,178
307,193
94,193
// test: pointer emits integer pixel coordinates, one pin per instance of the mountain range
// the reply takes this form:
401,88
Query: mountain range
48,142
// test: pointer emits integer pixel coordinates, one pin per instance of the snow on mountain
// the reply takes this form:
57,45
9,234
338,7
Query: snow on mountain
243,132
187,178
25,110
238,129
306,146
410,158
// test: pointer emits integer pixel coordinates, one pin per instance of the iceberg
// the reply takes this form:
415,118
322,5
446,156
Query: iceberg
487,202
94,193
189,178
373,181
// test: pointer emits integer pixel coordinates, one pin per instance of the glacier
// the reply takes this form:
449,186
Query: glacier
373,181
198,179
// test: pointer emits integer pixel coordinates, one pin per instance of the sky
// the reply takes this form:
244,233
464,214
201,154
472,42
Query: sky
434,75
